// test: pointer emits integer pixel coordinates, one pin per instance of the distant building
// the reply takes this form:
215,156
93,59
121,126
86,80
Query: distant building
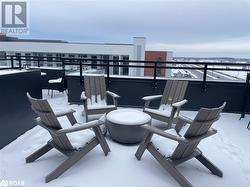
158,56
53,49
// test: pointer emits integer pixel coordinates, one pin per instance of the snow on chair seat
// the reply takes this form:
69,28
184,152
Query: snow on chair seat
74,141
94,96
79,138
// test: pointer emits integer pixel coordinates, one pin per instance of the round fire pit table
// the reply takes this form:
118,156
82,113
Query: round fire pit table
124,125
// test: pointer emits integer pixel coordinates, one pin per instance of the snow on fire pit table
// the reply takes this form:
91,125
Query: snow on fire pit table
124,125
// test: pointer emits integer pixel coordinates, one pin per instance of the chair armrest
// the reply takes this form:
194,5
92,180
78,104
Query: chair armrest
179,104
64,113
50,129
81,127
185,119
83,96
181,121
148,99
210,132
112,94
164,134
152,97
69,114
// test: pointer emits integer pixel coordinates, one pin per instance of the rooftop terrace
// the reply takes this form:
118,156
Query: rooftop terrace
228,149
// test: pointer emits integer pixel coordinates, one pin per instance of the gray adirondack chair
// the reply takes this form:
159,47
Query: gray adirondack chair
73,142
94,96
175,146
171,102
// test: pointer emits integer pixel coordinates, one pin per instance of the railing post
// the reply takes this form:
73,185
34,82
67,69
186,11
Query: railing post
155,68
63,64
12,62
245,97
20,62
38,62
108,78
81,79
204,86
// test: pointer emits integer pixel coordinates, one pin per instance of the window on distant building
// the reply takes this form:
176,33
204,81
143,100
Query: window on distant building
94,62
105,57
41,59
49,59
82,56
58,59
124,70
27,59
159,69
115,68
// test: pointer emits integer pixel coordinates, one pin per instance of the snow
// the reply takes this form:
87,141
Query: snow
235,74
228,149
96,101
165,107
55,80
79,138
164,110
10,71
166,148
152,97
128,117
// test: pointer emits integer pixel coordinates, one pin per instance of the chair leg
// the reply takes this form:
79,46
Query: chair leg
143,145
86,117
66,91
102,140
248,126
75,157
51,93
38,153
48,91
209,165
167,164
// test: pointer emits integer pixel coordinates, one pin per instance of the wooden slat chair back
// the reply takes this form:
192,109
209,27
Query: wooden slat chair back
74,141
175,146
200,126
94,96
94,86
174,91
49,122
171,102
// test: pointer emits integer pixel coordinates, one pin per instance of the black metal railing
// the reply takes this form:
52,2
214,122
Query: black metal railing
107,63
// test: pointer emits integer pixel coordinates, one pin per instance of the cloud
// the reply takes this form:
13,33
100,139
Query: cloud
235,47
180,25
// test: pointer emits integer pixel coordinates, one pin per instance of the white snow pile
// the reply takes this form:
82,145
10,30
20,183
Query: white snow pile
228,149
128,117
10,71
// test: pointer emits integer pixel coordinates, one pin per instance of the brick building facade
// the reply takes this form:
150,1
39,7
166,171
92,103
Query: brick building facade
160,56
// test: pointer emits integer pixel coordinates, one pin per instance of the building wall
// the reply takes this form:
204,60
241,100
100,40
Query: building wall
75,48
139,54
155,56
134,51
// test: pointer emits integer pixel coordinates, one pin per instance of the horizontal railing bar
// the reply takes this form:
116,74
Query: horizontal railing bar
36,58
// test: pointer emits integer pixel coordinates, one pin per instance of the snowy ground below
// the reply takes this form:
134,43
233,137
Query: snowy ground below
228,149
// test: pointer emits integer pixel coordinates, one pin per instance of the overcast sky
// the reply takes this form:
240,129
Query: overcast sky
200,28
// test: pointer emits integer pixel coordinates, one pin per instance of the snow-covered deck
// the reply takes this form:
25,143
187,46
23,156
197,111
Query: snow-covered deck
228,149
